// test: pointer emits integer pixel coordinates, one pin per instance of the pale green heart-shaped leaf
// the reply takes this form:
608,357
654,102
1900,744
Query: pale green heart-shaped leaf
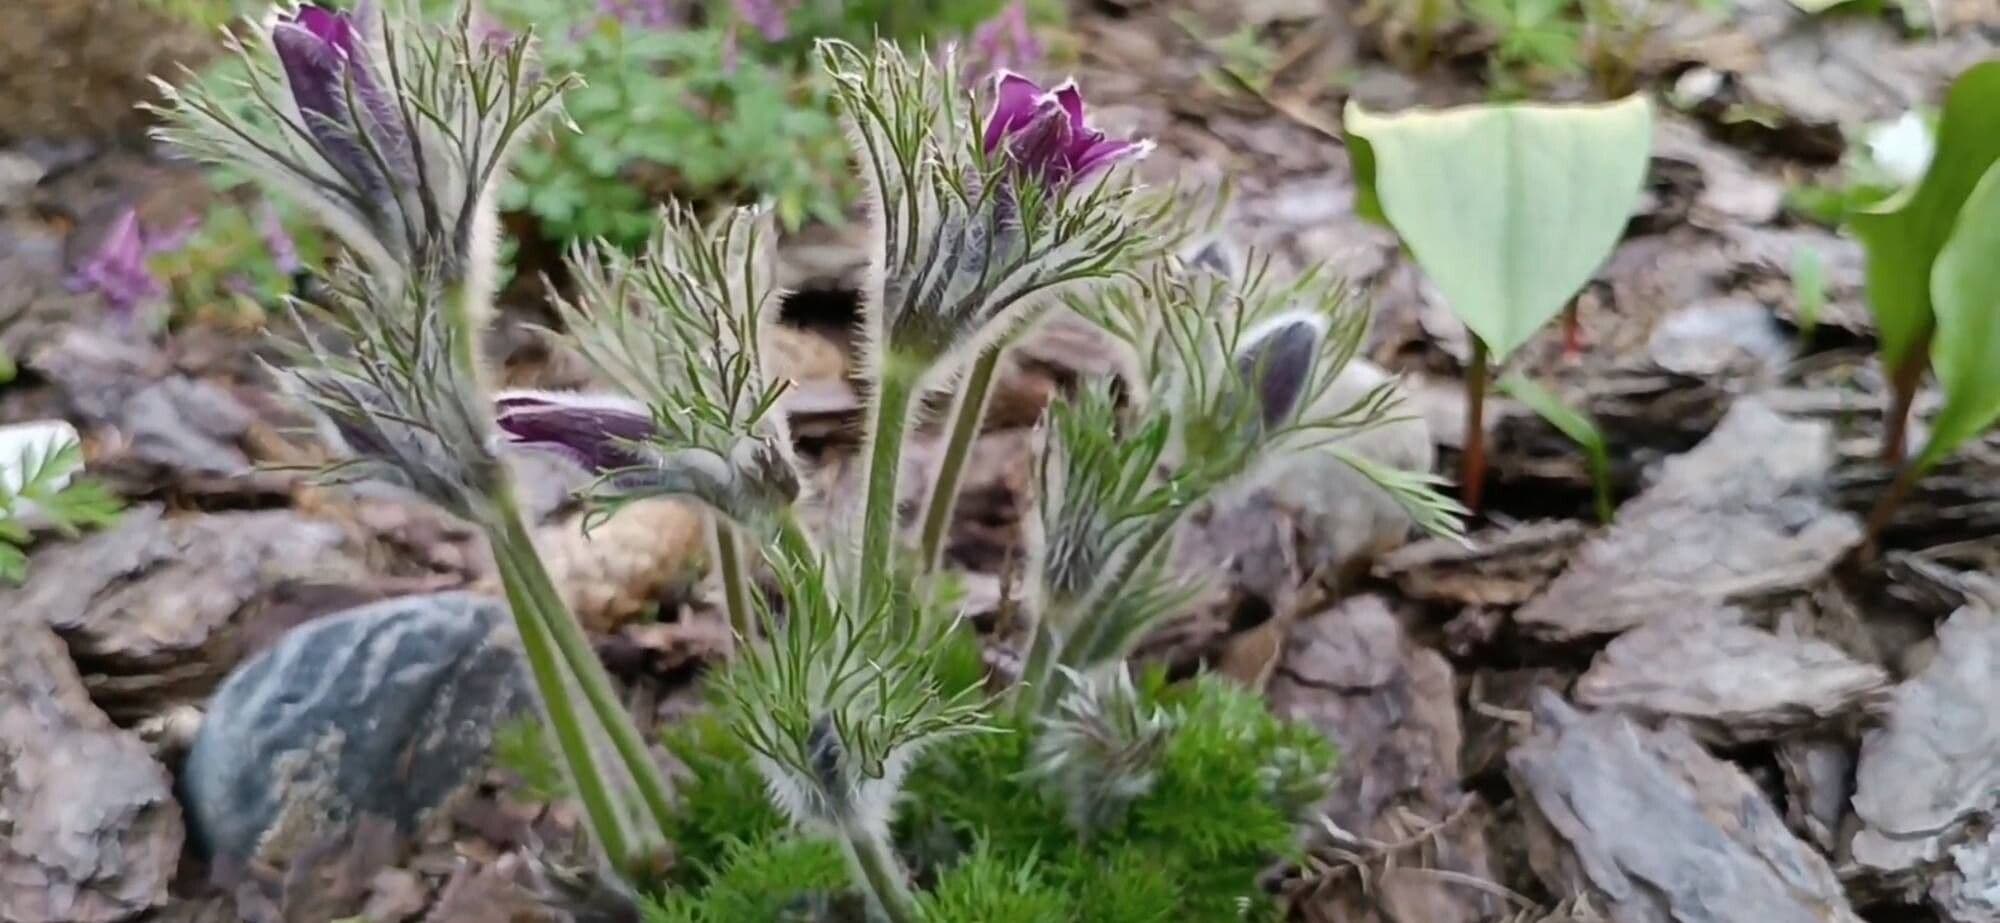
1508,208
1965,288
1903,235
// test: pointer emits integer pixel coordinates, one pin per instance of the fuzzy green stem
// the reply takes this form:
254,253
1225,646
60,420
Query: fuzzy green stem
868,853
1472,464
893,393
792,538
1040,673
735,582
588,780
967,415
582,660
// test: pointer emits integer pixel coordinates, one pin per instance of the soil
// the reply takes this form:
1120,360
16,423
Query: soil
1720,706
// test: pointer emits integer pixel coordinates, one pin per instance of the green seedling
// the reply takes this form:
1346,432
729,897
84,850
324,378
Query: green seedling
1904,236
1574,424
1809,291
1965,294
1509,209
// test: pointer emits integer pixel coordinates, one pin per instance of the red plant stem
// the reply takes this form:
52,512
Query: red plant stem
1903,384
1472,463
1878,518
1572,332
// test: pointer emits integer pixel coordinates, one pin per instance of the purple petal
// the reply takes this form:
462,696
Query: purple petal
1042,146
320,52
1071,99
118,270
1278,364
313,70
1101,153
332,28
593,432
1016,100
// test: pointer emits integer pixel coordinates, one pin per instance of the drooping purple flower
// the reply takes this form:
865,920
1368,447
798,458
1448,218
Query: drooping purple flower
594,431
1045,134
1278,362
118,270
1005,42
324,53
766,16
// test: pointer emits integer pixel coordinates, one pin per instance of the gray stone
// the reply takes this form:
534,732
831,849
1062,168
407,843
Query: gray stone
89,832
1742,517
1928,777
384,711
1734,682
1649,826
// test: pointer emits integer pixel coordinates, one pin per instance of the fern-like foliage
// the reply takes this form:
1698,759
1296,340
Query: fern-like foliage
988,826
39,487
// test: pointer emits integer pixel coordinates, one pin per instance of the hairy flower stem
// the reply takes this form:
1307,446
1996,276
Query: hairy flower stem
582,660
1084,648
735,581
793,540
599,806
966,418
893,393
1472,463
868,853
1903,384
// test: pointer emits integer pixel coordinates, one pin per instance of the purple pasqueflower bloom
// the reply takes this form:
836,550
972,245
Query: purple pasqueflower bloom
325,56
1279,361
597,432
118,271
1045,134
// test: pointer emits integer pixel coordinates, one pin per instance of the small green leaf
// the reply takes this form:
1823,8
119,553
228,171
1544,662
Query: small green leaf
1965,286
13,564
1508,208
1905,234
1809,287
1572,423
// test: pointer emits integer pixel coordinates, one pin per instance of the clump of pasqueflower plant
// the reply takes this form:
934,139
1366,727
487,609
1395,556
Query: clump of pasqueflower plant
988,211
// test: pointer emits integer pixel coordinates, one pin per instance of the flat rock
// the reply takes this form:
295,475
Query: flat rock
155,608
1496,566
160,420
1650,827
1388,705
1932,770
621,568
91,830
382,712
1735,683
1739,517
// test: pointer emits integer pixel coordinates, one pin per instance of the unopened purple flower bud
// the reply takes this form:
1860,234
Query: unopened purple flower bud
594,431
1278,362
118,271
323,53
1045,133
